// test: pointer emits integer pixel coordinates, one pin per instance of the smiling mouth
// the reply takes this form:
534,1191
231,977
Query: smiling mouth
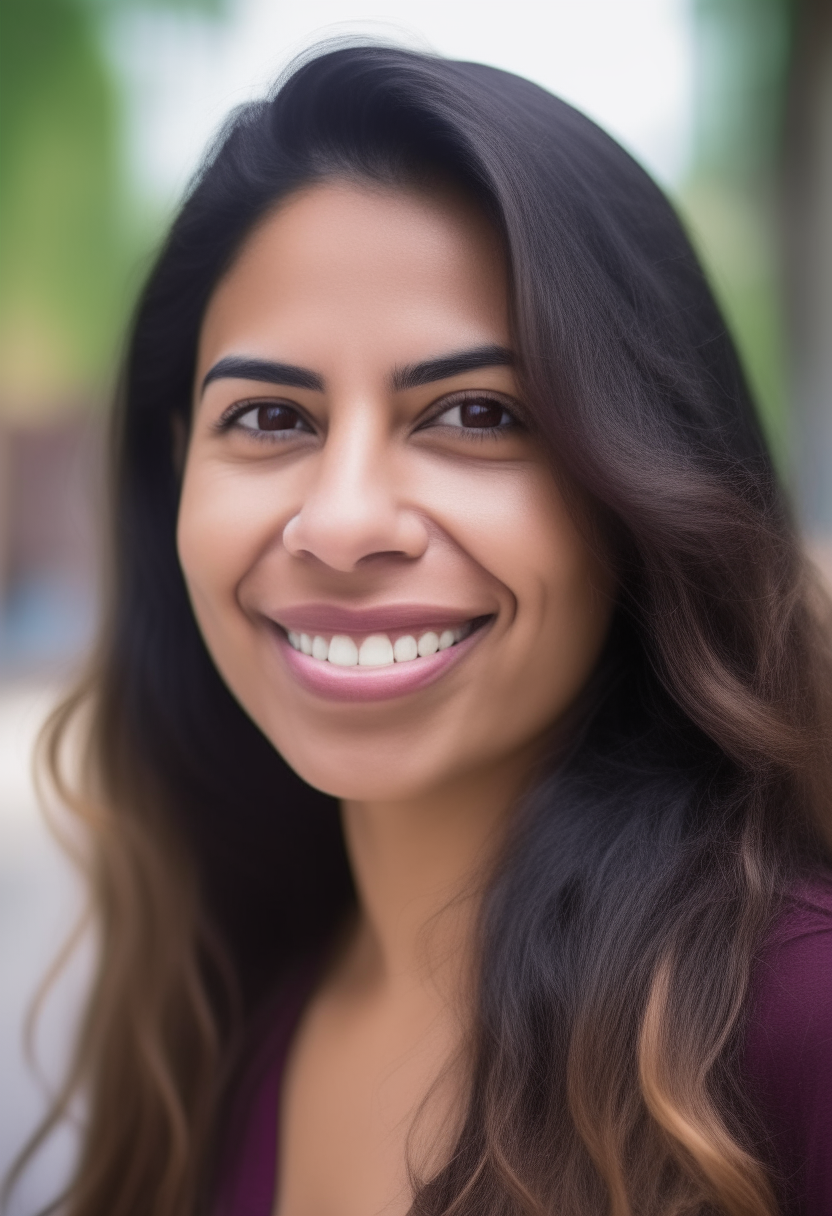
381,649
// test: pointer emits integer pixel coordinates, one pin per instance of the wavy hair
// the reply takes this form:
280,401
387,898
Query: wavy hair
621,925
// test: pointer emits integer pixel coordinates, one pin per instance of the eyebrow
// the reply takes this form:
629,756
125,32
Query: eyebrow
234,367
413,375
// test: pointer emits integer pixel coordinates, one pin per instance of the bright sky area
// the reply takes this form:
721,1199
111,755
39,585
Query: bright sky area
626,63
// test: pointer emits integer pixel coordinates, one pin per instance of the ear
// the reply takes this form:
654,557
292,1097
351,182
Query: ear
179,442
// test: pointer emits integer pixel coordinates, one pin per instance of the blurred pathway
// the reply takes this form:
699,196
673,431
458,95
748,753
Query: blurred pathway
39,898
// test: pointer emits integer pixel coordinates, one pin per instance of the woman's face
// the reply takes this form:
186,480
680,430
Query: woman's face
359,484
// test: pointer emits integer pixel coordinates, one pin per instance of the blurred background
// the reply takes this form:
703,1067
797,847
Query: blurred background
105,108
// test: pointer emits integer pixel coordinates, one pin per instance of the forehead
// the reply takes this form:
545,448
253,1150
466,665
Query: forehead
344,266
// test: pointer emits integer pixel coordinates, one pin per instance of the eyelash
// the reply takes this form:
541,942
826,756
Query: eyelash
459,400
232,417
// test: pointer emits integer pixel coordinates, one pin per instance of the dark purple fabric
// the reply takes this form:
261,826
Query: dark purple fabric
787,1063
788,1053
248,1179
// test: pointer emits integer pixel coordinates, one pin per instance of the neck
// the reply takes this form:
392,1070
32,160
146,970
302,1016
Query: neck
419,867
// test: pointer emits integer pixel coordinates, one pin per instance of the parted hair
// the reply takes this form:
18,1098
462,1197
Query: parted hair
621,924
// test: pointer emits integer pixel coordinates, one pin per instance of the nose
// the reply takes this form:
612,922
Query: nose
351,509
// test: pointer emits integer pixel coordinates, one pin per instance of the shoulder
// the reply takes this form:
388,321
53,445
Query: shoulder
788,1051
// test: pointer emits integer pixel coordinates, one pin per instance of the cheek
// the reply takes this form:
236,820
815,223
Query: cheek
513,522
223,524
564,610
568,599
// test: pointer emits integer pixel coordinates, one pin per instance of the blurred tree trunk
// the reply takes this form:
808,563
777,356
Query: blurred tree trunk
806,192
741,58
760,202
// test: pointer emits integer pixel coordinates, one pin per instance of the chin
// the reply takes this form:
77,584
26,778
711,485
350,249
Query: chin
363,774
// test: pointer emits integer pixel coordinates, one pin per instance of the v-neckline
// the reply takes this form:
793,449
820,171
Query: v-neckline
249,1180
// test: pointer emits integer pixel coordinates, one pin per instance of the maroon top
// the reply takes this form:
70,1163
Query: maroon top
788,1052
787,1063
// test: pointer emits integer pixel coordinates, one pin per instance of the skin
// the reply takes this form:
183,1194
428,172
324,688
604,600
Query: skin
377,496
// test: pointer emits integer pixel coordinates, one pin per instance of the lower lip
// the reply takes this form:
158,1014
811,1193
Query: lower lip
373,683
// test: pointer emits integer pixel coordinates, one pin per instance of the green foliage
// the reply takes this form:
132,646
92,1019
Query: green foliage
66,232
211,8
742,64
59,238
743,50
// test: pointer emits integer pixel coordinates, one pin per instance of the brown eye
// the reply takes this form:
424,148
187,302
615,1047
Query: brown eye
477,414
481,413
272,416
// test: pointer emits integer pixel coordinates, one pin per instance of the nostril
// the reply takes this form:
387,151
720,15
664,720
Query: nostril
383,555
346,542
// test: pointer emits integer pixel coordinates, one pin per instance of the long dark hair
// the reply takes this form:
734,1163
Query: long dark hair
622,922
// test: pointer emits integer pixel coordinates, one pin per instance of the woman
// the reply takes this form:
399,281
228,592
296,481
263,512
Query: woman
458,751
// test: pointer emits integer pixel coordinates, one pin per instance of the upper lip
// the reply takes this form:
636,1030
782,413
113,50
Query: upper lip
334,618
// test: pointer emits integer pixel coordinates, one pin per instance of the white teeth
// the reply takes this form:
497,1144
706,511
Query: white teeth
404,649
376,651
428,644
343,651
